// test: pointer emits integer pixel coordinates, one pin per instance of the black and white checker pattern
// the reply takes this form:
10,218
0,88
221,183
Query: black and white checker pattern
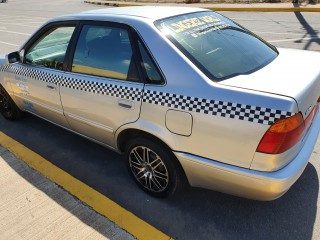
103,88
77,84
4,68
244,112
32,73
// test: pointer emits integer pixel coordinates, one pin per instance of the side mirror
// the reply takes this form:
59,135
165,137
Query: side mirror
13,57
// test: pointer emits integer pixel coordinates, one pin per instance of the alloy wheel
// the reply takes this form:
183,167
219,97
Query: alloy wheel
149,169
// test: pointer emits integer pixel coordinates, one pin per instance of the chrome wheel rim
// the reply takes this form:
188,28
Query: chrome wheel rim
149,169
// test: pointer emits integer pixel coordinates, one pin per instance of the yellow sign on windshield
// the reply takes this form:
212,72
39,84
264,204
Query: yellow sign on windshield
186,24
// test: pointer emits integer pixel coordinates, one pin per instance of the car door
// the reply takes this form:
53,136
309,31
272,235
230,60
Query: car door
102,91
36,80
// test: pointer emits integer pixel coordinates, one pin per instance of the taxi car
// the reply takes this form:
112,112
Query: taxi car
188,95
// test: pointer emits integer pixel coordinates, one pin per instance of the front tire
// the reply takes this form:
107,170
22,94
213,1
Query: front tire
8,109
154,167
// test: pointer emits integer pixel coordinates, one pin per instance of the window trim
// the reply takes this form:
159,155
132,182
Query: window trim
156,65
39,34
133,34
73,45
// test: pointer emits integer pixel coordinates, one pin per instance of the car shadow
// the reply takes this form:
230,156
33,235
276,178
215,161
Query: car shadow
81,211
193,214
290,217
311,33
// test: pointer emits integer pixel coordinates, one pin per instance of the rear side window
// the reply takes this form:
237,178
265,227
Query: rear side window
105,51
216,45
50,50
151,71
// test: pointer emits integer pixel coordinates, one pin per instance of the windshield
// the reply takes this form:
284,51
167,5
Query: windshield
216,45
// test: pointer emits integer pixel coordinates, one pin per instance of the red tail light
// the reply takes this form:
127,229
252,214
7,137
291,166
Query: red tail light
285,133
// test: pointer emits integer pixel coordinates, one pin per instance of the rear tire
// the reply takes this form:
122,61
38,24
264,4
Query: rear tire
8,109
154,167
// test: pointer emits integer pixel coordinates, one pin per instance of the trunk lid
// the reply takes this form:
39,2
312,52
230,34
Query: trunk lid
294,73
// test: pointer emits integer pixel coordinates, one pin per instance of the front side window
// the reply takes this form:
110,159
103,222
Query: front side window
50,50
216,45
105,51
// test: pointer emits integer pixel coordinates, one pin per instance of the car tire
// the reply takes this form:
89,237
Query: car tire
8,109
154,167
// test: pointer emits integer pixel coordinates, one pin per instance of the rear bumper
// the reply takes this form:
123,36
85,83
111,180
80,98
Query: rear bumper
248,183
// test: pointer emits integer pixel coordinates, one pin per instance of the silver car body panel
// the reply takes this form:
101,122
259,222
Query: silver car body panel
99,111
2,60
152,13
223,122
284,76
39,97
248,183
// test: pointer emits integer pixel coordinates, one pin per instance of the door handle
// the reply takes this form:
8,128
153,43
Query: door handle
51,87
125,104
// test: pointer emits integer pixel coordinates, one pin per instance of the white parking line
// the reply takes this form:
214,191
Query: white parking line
25,34
19,20
282,33
293,39
10,44
23,24
5,17
2,16
242,19
12,19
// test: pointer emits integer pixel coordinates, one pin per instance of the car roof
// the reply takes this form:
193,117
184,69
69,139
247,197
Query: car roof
151,12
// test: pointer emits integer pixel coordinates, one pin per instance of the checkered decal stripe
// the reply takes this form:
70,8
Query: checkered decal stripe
244,112
103,88
40,75
81,85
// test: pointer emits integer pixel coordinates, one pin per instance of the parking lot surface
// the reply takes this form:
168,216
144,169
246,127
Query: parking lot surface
32,207
196,213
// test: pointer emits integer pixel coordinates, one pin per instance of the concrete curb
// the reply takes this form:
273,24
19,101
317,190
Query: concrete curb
218,8
263,9
109,4
98,202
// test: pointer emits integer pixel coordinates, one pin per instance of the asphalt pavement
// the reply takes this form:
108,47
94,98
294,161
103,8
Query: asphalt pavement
194,214
248,6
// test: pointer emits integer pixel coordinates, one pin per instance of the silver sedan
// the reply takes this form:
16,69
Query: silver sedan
188,95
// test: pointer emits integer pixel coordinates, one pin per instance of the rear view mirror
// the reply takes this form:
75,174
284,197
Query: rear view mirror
13,57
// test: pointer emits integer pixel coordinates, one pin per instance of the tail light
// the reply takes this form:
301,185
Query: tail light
285,133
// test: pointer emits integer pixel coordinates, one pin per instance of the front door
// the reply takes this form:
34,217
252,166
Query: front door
36,81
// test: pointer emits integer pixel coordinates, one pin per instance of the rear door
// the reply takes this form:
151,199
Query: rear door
102,91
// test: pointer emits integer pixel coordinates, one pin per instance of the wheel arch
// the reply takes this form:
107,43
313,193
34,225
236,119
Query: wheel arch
126,135
8,108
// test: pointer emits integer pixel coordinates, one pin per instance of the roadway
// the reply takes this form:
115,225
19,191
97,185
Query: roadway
196,213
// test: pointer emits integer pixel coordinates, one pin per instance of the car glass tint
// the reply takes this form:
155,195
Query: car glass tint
49,51
105,51
217,45
153,75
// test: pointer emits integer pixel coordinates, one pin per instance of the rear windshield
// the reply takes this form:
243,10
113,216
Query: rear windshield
216,45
